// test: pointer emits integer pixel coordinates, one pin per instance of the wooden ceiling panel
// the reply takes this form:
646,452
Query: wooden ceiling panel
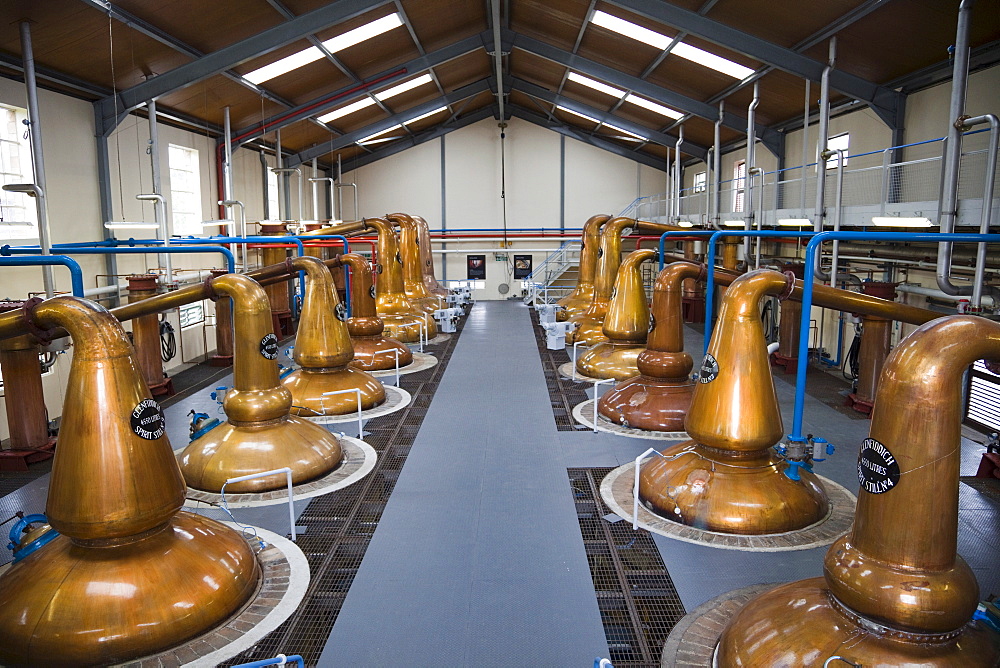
301,136
594,98
645,117
439,23
200,24
380,53
535,69
411,98
782,96
430,121
690,79
623,54
309,82
206,100
698,131
524,100
774,22
656,151
557,22
465,70
359,119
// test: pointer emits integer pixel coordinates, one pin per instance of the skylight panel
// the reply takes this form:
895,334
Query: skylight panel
427,115
629,29
379,133
333,45
686,51
596,85
653,106
403,87
625,132
349,109
577,113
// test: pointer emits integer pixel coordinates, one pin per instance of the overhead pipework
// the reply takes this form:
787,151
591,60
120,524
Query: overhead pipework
324,352
129,574
867,607
626,325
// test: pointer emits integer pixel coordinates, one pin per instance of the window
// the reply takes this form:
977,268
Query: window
700,182
472,284
273,211
739,184
840,142
185,190
191,314
17,210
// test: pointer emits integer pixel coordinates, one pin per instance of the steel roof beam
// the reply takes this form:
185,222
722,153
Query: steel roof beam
606,117
883,101
350,138
682,103
235,54
575,133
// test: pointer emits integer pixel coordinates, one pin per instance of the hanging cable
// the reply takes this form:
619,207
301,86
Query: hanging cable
168,342
503,180
852,362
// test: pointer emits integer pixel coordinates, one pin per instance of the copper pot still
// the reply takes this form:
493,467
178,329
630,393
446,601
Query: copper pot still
130,575
579,299
403,321
894,590
373,351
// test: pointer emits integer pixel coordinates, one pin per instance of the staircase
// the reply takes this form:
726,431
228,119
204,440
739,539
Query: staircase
555,277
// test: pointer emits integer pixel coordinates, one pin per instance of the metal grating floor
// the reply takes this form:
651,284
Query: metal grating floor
638,601
564,393
339,525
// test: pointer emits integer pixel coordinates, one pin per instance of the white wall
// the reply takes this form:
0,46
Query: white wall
596,182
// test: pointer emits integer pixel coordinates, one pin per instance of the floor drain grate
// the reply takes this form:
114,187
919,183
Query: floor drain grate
564,393
638,601
340,525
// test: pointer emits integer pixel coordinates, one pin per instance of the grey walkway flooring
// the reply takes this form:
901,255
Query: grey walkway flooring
478,558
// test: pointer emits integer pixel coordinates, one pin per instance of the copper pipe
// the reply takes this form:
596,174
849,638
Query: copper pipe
402,319
323,350
278,294
413,275
894,590
625,326
427,260
146,336
659,397
344,228
223,328
24,396
789,315
579,300
129,575
372,350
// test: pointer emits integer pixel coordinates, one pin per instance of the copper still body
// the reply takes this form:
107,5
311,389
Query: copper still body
626,325
129,575
402,320
413,275
324,352
875,337
373,351
260,434
790,312
728,478
894,591
278,294
146,337
223,328
659,397
590,323
427,260
24,398
578,301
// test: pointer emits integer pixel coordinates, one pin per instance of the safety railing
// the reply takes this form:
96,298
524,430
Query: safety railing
539,285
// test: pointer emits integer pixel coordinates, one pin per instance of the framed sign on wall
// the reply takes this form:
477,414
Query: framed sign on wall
475,267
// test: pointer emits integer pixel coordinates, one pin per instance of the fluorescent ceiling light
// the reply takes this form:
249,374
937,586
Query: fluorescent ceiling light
653,106
655,39
711,61
734,223
596,85
124,225
794,222
900,222
381,97
403,87
629,29
427,115
626,132
577,113
312,54
379,133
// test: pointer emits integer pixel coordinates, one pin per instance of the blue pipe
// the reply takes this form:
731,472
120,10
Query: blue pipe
276,661
710,261
692,233
75,272
347,273
109,250
812,248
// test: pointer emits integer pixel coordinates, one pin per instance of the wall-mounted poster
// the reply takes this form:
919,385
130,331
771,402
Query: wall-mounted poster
475,266
522,266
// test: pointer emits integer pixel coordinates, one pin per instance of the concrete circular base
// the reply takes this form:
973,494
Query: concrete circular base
396,399
438,338
584,414
567,370
283,586
359,460
616,490
692,641
421,362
